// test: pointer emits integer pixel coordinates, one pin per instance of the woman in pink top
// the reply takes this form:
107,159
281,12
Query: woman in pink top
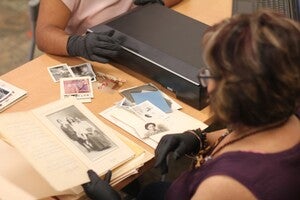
62,23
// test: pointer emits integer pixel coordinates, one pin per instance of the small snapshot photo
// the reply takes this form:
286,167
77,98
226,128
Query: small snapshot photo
147,111
60,71
151,128
84,69
81,132
79,87
4,92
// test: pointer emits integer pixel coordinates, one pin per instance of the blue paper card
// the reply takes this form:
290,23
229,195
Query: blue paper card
155,97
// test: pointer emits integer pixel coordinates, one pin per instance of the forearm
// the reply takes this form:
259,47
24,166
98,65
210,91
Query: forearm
52,40
52,20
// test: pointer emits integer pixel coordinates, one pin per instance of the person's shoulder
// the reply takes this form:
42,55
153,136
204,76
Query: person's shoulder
222,188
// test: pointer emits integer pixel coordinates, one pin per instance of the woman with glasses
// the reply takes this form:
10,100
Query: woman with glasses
253,81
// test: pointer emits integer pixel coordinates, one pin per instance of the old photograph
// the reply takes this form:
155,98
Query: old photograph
151,128
77,128
84,69
147,111
79,87
59,71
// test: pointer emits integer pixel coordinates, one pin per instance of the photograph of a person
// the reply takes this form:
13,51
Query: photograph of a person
80,87
84,69
147,111
59,71
152,128
81,132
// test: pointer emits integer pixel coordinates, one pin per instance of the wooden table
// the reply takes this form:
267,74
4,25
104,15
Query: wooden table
34,77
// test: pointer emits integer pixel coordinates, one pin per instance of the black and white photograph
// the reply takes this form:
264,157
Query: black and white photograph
84,69
152,128
91,141
147,111
4,92
60,71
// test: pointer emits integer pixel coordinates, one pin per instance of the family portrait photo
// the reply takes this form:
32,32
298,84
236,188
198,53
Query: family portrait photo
78,129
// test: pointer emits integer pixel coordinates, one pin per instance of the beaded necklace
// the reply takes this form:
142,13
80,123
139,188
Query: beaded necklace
209,151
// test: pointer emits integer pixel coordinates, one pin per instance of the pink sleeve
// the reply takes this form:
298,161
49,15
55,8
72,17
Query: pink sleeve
70,4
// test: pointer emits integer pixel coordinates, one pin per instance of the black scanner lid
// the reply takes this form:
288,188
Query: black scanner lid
168,31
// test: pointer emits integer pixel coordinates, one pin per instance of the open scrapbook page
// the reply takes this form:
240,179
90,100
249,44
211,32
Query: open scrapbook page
62,140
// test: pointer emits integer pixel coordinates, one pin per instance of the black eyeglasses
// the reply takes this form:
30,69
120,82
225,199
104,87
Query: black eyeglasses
204,75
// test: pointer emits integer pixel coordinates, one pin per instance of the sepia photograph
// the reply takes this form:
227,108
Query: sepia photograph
78,129
152,128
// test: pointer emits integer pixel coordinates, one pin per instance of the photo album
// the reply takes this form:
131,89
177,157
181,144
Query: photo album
63,140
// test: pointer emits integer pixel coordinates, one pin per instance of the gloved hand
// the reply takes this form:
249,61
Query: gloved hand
95,46
144,2
180,144
98,189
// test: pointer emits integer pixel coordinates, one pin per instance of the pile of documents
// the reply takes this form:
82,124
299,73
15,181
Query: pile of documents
148,114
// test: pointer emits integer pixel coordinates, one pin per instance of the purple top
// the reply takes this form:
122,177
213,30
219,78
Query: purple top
267,176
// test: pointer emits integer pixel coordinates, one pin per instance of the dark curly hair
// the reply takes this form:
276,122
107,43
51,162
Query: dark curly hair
257,59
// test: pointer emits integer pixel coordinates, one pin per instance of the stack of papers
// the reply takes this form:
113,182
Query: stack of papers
149,114
10,94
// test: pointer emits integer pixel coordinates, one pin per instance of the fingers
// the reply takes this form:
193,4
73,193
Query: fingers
162,165
110,39
166,145
107,176
93,176
99,59
161,151
109,33
107,53
142,2
102,40
179,151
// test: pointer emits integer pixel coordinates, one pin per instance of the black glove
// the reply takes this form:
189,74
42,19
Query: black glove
94,46
98,189
144,2
180,144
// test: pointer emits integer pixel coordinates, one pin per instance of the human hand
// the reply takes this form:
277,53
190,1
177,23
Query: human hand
144,2
180,144
98,189
94,46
